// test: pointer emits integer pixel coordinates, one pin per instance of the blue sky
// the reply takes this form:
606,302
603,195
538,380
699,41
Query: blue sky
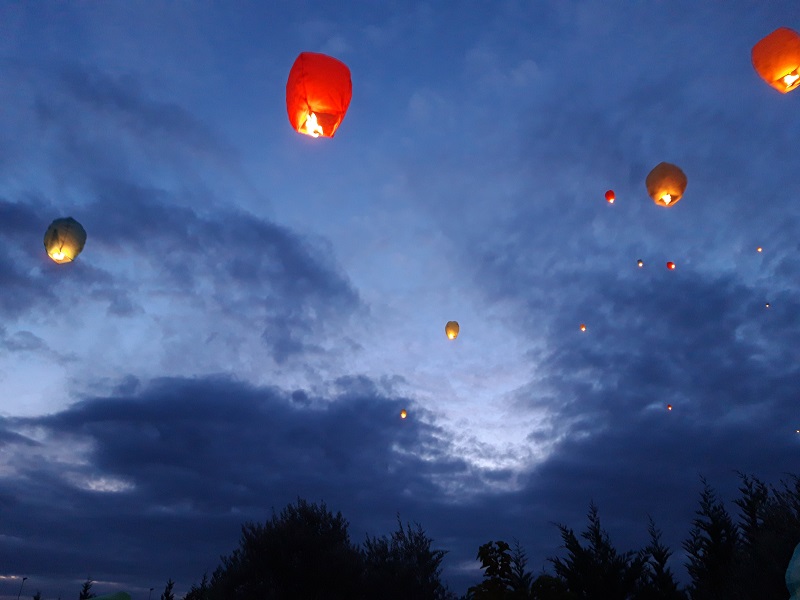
253,307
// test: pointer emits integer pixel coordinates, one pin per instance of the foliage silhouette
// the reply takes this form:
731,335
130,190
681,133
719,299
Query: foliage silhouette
168,594
86,590
403,566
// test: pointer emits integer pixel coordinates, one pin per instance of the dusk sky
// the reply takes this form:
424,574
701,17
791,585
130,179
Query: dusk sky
254,307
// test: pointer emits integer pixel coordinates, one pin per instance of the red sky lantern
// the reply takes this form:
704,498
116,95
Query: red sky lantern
610,196
318,93
776,59
671,266
669,406
583,327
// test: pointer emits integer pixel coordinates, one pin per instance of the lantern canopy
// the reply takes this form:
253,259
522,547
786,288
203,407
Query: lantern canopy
610,196
318,93
666,184
451,329
776,59
64,240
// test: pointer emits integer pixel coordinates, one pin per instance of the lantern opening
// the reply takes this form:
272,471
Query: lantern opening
791,79
666,198
317,124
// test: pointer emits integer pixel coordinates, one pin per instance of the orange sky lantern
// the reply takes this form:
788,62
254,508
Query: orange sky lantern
669,406
610,196
776,59
583,327
64,240
671,266
451,329
759,249
318,93
403,414
640,263
666,184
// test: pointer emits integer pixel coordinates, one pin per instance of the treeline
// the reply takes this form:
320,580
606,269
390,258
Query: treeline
306,552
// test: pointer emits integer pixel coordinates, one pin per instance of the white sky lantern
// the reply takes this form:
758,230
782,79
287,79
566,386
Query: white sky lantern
64,240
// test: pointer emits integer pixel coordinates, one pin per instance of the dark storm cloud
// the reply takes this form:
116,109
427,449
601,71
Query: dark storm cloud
195,458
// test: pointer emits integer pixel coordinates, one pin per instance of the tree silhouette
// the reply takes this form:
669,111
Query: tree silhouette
303,553
712,549
658,581
403,566
168,593
201,592
37,595
495,560
86,590
598,570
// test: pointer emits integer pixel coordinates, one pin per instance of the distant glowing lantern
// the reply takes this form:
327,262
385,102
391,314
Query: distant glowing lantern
318,93
671,266
776,59
64,240
666,184
403,414
767,305
669,406
451,329
640,262
583,327
759,249
610,196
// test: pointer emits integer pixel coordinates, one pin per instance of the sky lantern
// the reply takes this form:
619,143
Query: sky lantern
666,184
318,93
583,326
776,59
610,196
767,305
451,329
640,263
671,266
403,414
759,249
64,240
669,406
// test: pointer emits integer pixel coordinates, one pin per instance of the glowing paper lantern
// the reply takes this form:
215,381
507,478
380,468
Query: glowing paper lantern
776,59
666,184
669,406
403,414
640,262
767,305
610,196
318,93
759,249
64,240
671,266
451,329
583,327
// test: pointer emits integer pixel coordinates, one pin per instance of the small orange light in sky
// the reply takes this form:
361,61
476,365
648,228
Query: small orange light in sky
671,266
669,406
610,196
583,327
403,414
759,249
640,262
